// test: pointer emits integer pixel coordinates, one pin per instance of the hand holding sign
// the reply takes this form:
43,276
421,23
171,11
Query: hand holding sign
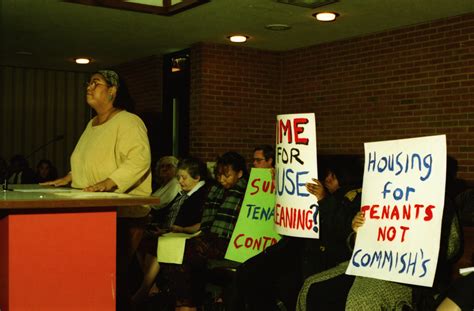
296,210
402,201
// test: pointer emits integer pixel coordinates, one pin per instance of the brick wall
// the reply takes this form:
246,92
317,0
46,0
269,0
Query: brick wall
144,81
403,83
235,96
408,82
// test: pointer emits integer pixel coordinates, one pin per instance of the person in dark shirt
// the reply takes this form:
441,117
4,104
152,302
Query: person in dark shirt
20,171
272,279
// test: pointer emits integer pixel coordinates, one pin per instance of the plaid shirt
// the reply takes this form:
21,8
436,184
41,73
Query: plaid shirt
222,209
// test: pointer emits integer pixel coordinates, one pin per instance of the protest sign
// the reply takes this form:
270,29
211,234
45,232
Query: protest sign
296,211
403,201
254,230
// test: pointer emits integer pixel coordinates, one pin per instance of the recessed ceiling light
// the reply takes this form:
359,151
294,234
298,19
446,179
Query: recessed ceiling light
278,27
82,61
238,38
325,16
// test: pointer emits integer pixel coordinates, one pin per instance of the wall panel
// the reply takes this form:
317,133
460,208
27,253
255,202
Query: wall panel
38,105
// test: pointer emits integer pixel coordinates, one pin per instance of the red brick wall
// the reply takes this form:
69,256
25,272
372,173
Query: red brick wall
144,79
408,82
403,83
235,96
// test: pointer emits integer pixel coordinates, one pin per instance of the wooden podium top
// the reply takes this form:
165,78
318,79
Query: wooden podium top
35,196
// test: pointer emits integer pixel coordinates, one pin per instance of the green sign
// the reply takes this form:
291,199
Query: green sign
255,230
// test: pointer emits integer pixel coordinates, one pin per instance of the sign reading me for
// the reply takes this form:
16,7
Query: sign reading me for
403,201
296,211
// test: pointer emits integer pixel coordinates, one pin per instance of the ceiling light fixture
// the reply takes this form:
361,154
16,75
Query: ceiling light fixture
82,61
325,16
238,38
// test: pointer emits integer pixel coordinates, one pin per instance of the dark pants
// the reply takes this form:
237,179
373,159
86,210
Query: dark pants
129,235
269,279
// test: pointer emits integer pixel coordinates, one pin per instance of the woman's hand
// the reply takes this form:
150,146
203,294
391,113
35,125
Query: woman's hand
66,180
177,229
316,189
103,186
358,221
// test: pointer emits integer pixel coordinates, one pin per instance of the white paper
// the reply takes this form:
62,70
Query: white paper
92,195
466,271
48,190
171,246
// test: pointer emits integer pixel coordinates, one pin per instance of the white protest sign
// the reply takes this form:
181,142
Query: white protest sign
296,211
403,201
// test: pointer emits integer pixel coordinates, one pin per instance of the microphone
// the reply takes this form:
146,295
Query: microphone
55,139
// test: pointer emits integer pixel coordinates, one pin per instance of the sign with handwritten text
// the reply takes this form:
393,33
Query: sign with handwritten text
403,201
296,211
254,229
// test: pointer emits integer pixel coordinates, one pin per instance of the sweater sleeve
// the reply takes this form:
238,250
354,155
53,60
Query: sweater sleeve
132,153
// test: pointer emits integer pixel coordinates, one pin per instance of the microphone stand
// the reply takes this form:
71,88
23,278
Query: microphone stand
5,181
55,139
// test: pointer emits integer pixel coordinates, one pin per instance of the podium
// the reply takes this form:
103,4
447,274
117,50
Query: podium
58,248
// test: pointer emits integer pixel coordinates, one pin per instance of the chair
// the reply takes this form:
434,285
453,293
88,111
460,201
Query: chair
220,275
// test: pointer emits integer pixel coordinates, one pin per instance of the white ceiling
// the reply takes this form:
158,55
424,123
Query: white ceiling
50,33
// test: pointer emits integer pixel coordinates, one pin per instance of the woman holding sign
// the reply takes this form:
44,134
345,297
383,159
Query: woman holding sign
275,276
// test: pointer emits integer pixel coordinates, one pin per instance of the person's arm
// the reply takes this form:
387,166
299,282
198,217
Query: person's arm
190,229
103,186
133,156
317,189
357,222
63,181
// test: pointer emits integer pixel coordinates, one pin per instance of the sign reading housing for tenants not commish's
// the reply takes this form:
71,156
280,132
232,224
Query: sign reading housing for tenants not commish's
296,211
403,200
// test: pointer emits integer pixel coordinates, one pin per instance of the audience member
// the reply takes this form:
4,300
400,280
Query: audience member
221,210
459,296
274,277
376,294
263,156
168,185
3,168
20,171
183,215
454,185
45,171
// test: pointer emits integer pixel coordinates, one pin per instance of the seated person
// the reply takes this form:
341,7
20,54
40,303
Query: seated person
221,210
389,295
20,171
168,184
45,171
275,276
3,169
184,215
263,156
459,296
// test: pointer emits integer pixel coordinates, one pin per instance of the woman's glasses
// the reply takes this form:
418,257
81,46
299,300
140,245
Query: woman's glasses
93,84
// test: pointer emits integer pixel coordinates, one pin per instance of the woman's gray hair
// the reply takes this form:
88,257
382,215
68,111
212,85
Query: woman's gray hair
167,160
